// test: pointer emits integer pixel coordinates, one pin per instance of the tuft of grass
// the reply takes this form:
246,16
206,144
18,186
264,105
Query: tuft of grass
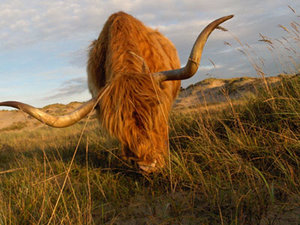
15,126
247,157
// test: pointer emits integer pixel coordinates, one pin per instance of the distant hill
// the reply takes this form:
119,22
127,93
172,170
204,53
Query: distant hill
214,91
208,92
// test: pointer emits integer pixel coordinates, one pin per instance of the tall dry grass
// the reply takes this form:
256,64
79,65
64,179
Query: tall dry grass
232,167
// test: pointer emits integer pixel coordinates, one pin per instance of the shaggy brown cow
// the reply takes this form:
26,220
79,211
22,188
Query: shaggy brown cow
134,78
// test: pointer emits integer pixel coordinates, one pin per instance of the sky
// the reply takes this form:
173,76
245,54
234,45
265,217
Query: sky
44,44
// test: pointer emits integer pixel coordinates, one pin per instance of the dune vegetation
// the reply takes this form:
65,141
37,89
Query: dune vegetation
240,165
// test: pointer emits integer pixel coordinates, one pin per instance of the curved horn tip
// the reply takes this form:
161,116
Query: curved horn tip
227,17
230,16
223,19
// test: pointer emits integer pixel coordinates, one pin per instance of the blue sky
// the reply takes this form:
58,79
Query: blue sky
43,44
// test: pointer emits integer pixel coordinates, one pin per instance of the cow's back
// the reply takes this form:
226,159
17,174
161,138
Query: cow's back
123,46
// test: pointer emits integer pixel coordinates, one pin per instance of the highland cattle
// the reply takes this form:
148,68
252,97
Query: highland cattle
134,75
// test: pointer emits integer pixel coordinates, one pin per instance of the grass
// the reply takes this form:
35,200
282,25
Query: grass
239,164
15,126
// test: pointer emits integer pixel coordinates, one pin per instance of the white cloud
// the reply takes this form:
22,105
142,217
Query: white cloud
69,88
34,21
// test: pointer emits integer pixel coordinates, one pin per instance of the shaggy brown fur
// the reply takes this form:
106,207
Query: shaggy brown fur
134,108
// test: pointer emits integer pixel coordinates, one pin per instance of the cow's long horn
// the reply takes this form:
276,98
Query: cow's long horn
54,121
194,60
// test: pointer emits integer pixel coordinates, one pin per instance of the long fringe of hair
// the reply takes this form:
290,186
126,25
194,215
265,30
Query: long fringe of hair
135,110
